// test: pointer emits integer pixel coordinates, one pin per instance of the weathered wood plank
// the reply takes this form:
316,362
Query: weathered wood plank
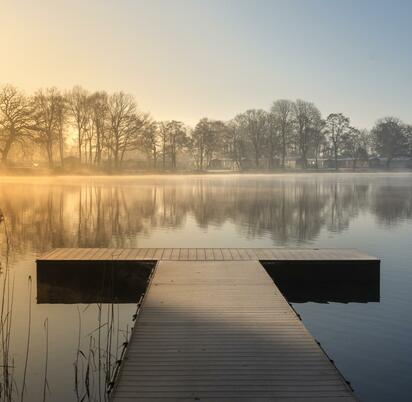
133,253
158,254
243,254
192,254
82,253
207,254
200,254
251,253
48,254
227,256
167,253
102,254
235,254
140,255
93,252
150,253
217,254
221,330
175,254
98,253
184,254
123,254
60,254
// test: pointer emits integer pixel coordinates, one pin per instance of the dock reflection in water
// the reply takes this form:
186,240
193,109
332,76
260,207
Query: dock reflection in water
84,282
324,282
80,282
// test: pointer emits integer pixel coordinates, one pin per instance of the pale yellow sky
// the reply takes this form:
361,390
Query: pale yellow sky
186,59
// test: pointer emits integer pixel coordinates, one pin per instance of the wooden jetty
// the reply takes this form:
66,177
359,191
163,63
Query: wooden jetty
205,254
213,326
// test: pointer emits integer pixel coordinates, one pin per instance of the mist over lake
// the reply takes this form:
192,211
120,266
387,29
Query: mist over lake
368,340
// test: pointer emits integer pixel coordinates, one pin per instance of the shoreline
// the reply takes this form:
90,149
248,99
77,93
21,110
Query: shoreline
148,174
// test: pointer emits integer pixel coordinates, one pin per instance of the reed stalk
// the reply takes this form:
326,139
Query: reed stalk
45,383
6,318
26,360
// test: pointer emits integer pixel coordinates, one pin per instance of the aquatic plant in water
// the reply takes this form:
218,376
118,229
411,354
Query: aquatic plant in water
7,384
95,366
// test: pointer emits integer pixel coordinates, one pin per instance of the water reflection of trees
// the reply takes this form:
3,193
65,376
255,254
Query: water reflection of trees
392,204
44,216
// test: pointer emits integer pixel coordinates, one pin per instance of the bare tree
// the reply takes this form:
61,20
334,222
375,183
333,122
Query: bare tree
253,124
122,110
47,106
273,140
199,139
233,143
125,124
177,140
215,140
148,141
355,143
99,109
61,118
108,127
337,127
78,101
282,111
408,133
207,139
173,139
390,137
164,141
15,119
319,139
305,116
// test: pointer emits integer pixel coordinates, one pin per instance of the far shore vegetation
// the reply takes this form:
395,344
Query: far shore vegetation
81,132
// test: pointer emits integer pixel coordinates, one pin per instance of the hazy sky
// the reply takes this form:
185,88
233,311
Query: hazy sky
190,59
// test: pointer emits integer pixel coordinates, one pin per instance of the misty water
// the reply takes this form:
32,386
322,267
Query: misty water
368,338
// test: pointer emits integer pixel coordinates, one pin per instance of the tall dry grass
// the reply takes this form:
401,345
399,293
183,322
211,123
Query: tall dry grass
98,355
7,384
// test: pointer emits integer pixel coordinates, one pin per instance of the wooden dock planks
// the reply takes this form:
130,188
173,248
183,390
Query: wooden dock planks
222,331
201,254
215,327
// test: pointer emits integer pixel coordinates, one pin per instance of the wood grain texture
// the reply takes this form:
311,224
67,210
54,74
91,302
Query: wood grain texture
205,254
222,331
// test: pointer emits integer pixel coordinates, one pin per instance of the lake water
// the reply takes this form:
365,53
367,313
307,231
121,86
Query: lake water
369,342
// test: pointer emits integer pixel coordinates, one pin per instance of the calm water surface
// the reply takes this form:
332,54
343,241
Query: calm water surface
369,342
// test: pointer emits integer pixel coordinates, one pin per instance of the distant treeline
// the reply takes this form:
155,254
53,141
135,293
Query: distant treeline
80,128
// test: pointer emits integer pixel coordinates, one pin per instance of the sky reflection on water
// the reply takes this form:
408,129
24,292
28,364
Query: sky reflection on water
369,342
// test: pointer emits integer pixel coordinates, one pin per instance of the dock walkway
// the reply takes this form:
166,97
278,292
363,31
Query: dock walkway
213,326
205,254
